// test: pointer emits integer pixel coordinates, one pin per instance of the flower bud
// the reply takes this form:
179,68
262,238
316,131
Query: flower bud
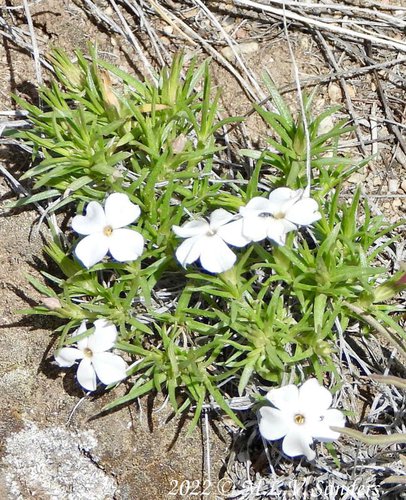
391,287
299,141
51,303
178,145
109,97
322,348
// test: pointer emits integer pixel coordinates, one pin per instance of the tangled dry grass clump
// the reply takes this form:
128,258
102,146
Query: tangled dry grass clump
348,53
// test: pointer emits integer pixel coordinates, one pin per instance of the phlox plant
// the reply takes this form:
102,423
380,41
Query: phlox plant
195,335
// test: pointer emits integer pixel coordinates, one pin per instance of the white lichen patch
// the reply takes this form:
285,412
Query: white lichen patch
52,463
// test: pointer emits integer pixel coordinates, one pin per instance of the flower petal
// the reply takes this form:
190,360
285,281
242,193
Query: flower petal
284,398
67,356
254,227
82,343
81,329
215,256
276,229
92,249
304,212
189,250
192,228
258,204
231,233
94,221
314,398
297,442
120,211
86,375
282,198
109,367
125,244
273,423
322,431
104,336
219,217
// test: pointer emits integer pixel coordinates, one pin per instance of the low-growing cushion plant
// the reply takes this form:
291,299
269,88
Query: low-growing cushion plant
195,335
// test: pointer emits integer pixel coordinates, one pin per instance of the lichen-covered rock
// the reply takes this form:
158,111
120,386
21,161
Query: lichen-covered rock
53,463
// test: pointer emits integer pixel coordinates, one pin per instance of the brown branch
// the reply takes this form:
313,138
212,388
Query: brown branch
376,325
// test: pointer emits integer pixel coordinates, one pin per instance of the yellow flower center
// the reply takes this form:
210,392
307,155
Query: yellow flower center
88,353
299,419
108,231
279,215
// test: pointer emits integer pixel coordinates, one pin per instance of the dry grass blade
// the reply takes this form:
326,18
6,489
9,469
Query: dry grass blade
233,46
329,27
378,327
172,20
301,105
398,382
134,42
394,480
388,112
362,12
35,51
350,73
371,440
20,38
196,39
160,50
344,88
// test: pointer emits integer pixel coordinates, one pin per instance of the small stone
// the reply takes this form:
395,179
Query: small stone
326,125
304,43
393,185
241,33
376,181
397,203
403,186
357,178
168,30
351,91
400,156
334,92
242,48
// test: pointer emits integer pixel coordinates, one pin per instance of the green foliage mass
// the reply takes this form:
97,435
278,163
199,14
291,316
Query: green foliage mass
194,336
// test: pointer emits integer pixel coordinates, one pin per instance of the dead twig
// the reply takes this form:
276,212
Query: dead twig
372,440
388,112
332,60
196,39
388,334
232,44
384,41
134,42
302,107
35,51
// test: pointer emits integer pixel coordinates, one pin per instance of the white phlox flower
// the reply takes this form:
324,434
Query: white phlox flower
95,362
207,241
105,231
299,416
284,211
